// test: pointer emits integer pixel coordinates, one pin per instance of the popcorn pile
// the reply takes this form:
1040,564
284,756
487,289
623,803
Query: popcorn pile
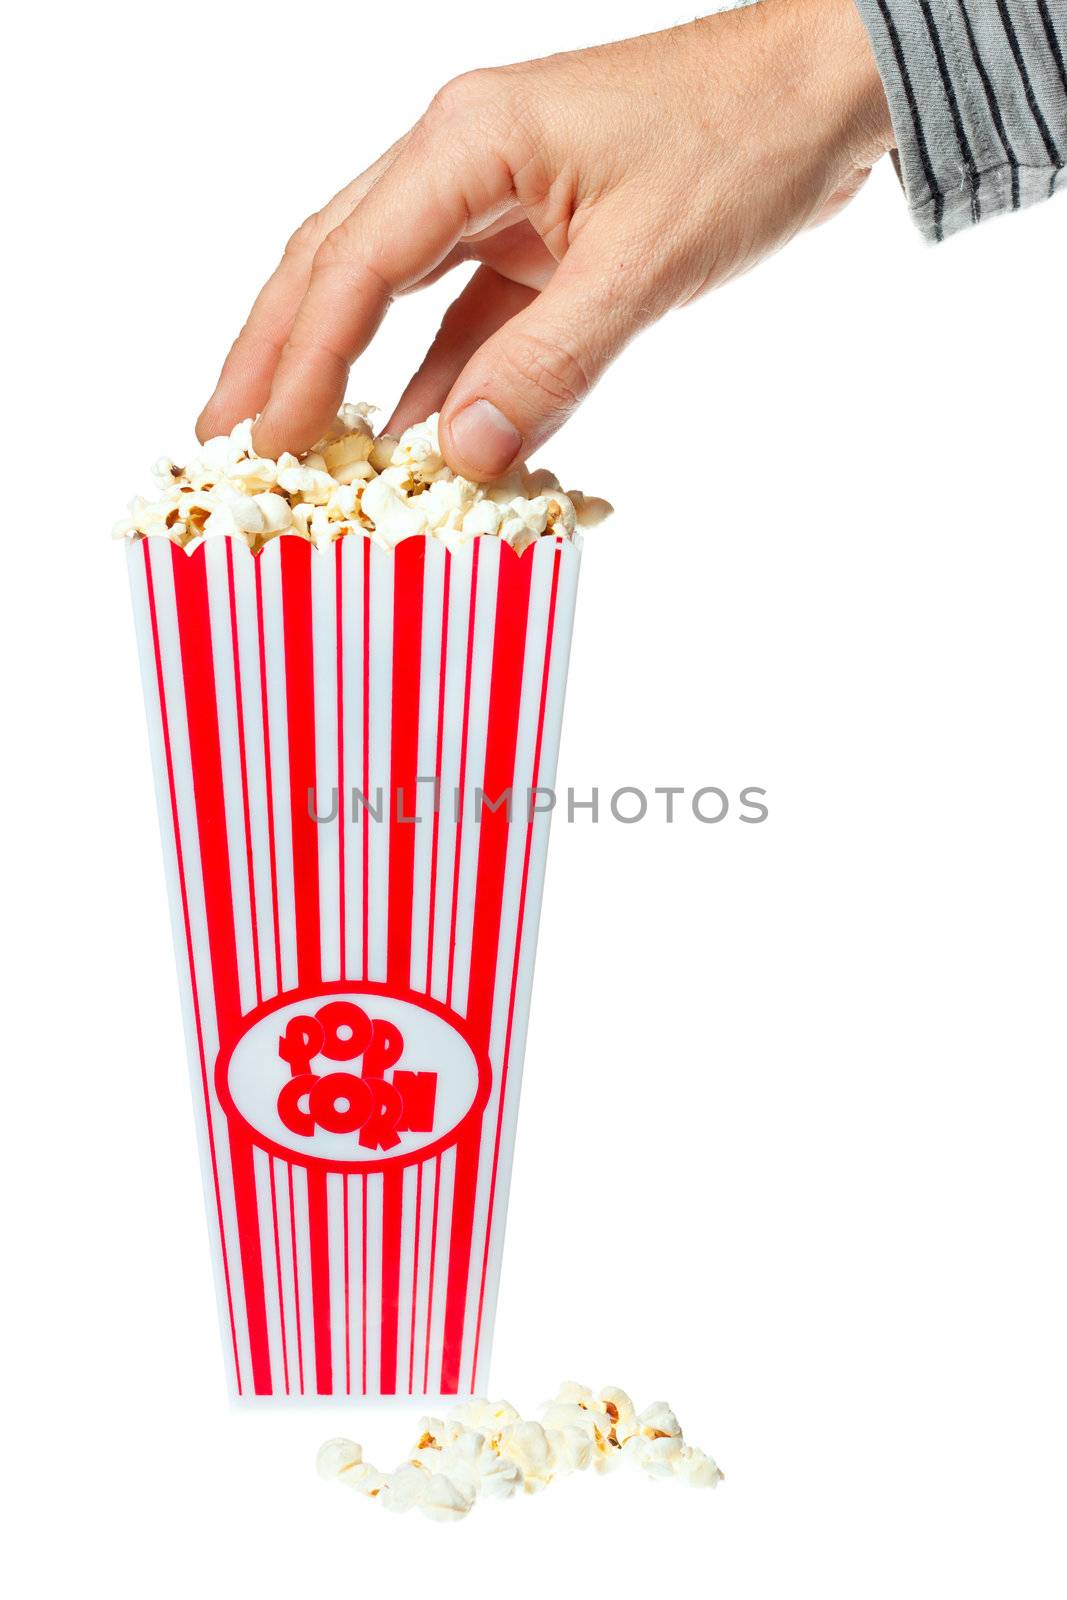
388,489
486,1450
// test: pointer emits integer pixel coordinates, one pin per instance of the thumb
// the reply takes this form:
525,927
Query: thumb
524,382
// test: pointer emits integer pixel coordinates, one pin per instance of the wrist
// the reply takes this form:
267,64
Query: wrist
812,65
850,80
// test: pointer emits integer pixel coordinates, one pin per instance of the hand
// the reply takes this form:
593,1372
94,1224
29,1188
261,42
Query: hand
597,191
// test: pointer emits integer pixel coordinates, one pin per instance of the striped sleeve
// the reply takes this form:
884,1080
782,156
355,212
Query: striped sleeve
978,94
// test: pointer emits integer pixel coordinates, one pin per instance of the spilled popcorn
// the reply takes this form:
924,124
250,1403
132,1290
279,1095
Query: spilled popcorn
388,489
485,1450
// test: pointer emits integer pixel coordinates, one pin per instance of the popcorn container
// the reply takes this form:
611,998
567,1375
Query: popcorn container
350,748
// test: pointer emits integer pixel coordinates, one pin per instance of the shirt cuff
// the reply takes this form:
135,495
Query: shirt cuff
977,90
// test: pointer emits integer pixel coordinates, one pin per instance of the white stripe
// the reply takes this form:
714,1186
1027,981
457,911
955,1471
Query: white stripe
405,1286
303,1273
244,584
474,775
451,742
277,722
335,1225
422,1279
285,1252
352,556
422,805
382,566
324,651
355,1278
374,1282
440,1270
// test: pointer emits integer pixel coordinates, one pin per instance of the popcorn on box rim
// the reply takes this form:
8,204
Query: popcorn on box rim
383,488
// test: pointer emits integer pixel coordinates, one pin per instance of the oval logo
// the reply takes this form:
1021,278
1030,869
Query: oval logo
354,1076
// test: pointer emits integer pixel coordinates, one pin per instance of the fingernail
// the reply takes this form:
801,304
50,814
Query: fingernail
485,438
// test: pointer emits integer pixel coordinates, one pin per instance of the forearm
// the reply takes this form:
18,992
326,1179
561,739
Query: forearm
978,95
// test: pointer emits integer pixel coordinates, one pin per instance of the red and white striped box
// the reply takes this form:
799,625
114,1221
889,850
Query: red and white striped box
357,1215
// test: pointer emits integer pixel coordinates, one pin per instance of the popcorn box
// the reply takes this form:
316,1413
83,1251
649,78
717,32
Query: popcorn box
348,746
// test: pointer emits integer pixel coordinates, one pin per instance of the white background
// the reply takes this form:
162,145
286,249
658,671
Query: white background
791,1151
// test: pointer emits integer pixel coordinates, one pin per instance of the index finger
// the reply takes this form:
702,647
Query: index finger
446,182
244,382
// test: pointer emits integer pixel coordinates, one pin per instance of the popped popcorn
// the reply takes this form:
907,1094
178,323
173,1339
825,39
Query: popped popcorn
351,483
342,1459
489,1415
528,1446
658,1421
486,1450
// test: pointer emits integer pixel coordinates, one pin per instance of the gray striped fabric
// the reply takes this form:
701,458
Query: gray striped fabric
978,95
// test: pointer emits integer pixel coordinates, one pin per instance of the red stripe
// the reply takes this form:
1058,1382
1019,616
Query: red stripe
433,1264
366,908
409,572
319,1241
364,1318
415,1277
348,1320
509,643
194,628
239,697
462,785
341,809
430,928
272,857
437,774
296,1282
278,1268
392,1217
536,771
268,782
342,817
296,558
366,764
180,857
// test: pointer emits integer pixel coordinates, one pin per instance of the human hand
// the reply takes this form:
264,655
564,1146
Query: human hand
597,190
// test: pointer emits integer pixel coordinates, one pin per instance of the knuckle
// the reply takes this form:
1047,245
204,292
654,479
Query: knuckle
343,252
303,242
553,367
461,95
331,251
